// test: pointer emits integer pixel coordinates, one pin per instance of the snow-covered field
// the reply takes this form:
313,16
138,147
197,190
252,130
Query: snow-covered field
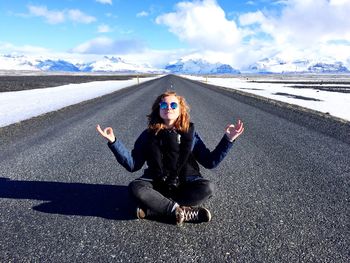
312,96
21,105
17,106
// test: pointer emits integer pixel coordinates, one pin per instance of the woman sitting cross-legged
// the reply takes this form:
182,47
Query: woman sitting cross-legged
172,185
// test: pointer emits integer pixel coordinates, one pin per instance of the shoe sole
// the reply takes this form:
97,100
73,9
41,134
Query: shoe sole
140,213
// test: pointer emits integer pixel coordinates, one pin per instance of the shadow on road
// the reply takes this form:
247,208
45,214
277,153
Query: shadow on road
107,201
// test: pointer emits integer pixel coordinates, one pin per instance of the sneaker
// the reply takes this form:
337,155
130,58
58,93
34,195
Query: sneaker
140,213
196,214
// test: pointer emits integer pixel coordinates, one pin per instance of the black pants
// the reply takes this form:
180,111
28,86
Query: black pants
150,195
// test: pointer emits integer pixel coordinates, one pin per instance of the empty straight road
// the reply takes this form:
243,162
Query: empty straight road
282,193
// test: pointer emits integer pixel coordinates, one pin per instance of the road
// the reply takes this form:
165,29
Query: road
282,193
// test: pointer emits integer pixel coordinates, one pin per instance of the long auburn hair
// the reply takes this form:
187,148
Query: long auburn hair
155,122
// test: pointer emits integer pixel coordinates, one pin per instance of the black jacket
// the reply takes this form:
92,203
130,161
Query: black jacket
141,153
170,157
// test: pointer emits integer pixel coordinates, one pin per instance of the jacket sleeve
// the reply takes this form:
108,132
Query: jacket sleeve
131,161
210,159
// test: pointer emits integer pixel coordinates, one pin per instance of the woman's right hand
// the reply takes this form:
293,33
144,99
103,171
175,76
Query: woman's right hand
106,133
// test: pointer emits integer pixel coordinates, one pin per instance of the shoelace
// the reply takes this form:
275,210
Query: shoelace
191,215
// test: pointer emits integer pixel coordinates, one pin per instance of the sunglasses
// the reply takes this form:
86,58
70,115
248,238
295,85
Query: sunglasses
163,105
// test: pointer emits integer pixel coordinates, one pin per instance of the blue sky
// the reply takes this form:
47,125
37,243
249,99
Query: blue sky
237,32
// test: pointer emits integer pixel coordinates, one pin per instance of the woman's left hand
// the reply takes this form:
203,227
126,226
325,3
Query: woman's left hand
234,131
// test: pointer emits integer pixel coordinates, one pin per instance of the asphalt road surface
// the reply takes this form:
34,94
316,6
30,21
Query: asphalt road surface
282,193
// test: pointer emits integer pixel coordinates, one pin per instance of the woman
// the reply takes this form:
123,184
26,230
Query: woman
171,185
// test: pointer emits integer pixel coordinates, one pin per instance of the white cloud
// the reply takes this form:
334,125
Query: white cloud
105,45
156,58
338,2
252,18
312,22
110,2
52,17
111,15
302,29
56,17
304,22
142,14
104,28
202,24
78,16
9,48
96,43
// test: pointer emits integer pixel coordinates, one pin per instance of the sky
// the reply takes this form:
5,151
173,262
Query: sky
237,32
31,103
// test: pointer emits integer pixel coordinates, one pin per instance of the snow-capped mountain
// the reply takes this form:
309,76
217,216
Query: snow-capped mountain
57,65
278,65
336,67
106,64
18,62
116,64
199,66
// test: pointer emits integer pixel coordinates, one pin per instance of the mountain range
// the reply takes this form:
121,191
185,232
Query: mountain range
199,66
180,66
105,64
278,65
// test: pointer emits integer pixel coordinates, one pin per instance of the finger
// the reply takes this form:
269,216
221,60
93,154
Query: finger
98,128
241,131
239,128
239,124
230,126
